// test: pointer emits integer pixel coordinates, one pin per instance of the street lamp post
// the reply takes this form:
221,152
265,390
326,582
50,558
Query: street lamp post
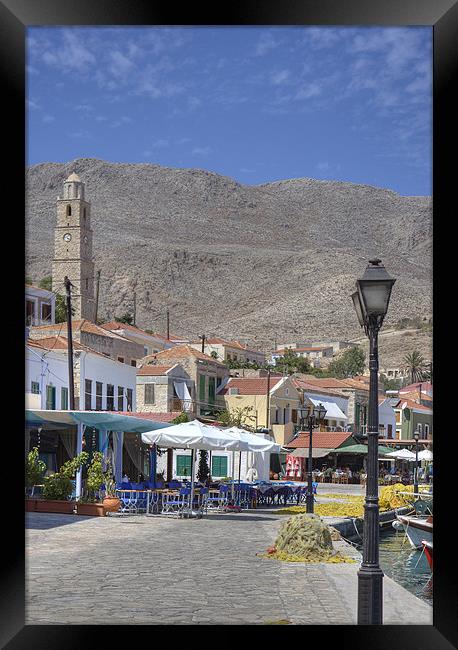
370,301
416,437
312,416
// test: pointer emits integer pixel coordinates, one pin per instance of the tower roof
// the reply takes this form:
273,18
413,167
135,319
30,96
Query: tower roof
73,178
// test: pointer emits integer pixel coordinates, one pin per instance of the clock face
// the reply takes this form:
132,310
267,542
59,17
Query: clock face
67,236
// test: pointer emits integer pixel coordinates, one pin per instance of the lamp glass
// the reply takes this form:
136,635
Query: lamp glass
375,296
358,308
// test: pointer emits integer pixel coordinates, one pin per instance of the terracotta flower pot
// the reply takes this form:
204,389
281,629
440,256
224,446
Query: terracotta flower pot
90,509
53,505
111,504
30,504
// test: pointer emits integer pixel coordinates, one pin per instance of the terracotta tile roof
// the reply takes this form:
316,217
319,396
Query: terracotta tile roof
412,405
305,385
82,326
61,343
179,352
155,417
249,385
425,385
114,325
154,371
306,349
320,439
232,344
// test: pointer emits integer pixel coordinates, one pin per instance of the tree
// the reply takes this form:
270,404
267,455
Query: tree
183,417
203,471
415,365
236,417
390,384
290,363
352,362
61,303
214,354
125,318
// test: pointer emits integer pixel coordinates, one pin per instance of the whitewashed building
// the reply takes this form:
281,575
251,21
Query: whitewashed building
40,306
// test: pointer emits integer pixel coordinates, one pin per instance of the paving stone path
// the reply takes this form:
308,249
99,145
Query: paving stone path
156,570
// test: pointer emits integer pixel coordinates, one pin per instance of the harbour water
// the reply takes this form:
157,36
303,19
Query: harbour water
404,564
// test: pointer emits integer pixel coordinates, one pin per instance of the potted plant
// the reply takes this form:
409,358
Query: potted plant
34,472
58,487
90,504
111,503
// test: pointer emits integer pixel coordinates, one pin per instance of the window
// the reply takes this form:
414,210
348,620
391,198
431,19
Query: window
219,465
64,398
129,399
98,395
211,390
45,311
50,397
183,465
426,430
29,312
120,398
202,388
420,430
149,393
121,359
390,431
133,363
69,210
35,388
110,397
88,394
145,350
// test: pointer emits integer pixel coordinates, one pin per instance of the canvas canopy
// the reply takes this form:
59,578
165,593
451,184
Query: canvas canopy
360,449
106,420
256,443
403,454
333,412
426,454
195,435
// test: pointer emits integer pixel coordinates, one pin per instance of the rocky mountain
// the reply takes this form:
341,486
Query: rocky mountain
263,262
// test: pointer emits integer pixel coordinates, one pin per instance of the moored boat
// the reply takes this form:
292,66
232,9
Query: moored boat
417,529
428,547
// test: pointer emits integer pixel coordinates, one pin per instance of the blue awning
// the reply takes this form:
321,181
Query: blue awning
105,420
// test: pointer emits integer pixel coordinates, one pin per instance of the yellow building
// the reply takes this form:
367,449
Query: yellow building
280,415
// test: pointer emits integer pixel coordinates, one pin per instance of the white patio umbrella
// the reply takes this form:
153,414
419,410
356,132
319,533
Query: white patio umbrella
426,454
256,444
402,454
194,435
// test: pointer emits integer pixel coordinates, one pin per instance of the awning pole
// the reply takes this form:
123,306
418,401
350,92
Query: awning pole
79,449
192,479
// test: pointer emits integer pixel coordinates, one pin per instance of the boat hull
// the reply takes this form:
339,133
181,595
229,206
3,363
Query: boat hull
428,546
417,529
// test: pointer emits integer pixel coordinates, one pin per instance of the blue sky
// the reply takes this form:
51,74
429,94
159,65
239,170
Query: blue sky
257,104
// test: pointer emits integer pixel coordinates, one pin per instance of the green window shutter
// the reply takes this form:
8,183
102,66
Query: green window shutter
202,388
50,398
211,390
64,398
35,388
183,465
219,465
357,416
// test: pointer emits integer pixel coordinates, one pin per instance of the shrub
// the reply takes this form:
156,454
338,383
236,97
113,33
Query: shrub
34,468
59,486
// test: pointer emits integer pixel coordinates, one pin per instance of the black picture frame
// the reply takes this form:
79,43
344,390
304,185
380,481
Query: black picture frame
442,15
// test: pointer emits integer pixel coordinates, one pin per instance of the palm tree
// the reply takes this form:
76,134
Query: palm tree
415,366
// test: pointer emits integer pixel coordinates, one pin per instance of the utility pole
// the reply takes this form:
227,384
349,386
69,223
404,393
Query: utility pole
168,325
135,307
202,337
268,399
97,285
71,384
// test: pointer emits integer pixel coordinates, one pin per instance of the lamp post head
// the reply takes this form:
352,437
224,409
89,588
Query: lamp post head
373,292
416,436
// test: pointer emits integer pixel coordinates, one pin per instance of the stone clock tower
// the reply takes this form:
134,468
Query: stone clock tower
73,248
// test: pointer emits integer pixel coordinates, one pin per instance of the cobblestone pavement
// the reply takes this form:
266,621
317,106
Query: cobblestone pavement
153,570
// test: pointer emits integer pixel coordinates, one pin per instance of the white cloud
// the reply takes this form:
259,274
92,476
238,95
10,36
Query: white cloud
201,151
47,119
280,77
265,44
308,90
158,144
71,55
